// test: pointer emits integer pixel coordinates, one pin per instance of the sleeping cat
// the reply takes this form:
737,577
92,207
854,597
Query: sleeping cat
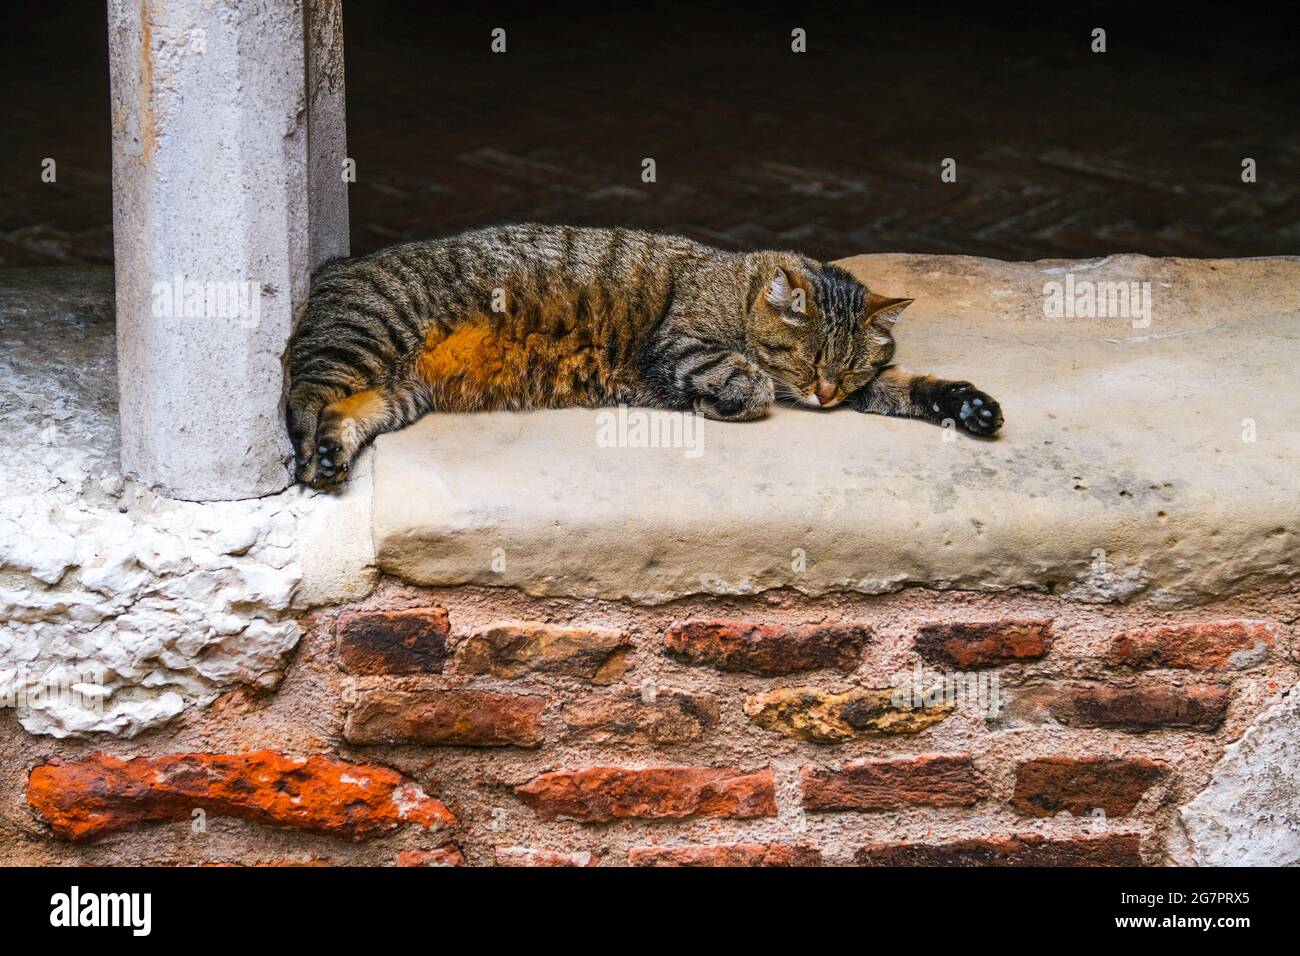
529,316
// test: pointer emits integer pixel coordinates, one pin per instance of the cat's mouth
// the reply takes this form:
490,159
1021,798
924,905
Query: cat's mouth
822,396
813,400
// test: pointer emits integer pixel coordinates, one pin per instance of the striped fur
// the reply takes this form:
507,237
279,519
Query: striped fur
530,316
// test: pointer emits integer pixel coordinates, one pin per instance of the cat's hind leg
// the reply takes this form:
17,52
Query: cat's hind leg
303,415
904,394
346,425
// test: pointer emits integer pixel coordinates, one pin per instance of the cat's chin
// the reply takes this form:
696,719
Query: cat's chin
812,401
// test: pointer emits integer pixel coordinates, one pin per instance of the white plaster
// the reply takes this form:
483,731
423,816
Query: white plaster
1249,814
336,547
141,605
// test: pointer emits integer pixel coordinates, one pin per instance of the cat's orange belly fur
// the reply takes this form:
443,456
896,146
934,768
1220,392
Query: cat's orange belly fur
482,365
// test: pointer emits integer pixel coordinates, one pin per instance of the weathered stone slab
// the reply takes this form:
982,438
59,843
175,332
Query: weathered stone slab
1143,456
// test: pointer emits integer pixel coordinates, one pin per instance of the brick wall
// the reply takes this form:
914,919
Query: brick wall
479,726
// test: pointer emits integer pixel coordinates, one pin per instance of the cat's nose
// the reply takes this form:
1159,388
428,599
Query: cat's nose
826,392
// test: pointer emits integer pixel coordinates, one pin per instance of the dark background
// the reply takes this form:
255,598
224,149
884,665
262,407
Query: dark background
1060,152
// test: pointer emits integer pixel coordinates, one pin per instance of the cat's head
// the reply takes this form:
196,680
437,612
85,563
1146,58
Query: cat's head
819,332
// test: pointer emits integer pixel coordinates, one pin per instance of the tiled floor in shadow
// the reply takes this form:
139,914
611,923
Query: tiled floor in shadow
1060,152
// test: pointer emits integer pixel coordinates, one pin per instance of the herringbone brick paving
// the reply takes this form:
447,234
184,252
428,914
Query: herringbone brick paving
1061,152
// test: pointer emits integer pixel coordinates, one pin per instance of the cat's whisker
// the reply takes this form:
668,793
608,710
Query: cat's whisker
783,388
786,392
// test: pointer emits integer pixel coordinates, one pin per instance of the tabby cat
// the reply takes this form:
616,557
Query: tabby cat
530,316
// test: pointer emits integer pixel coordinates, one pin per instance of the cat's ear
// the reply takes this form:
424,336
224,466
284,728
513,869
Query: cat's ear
780,293
882,312
788,298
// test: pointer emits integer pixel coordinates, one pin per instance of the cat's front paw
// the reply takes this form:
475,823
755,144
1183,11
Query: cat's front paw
968,407
741,393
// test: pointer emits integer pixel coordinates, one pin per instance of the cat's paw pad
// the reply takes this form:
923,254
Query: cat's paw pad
328,465
970,408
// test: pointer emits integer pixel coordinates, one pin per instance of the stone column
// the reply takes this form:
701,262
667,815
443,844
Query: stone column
218,112
327,145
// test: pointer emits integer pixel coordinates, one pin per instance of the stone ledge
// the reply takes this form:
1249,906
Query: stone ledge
1121,474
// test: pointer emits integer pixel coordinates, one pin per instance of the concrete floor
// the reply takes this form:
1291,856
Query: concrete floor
1061,152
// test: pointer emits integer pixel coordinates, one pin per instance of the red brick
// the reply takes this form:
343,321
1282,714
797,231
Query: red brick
965,645
1028,849
939,780
1202,646
768,649
671,717
1132,709
1047,785
514,648
410,641
104,794
447,717
291,864
599,794
528,856
813,714
443,856
312,862
729,854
